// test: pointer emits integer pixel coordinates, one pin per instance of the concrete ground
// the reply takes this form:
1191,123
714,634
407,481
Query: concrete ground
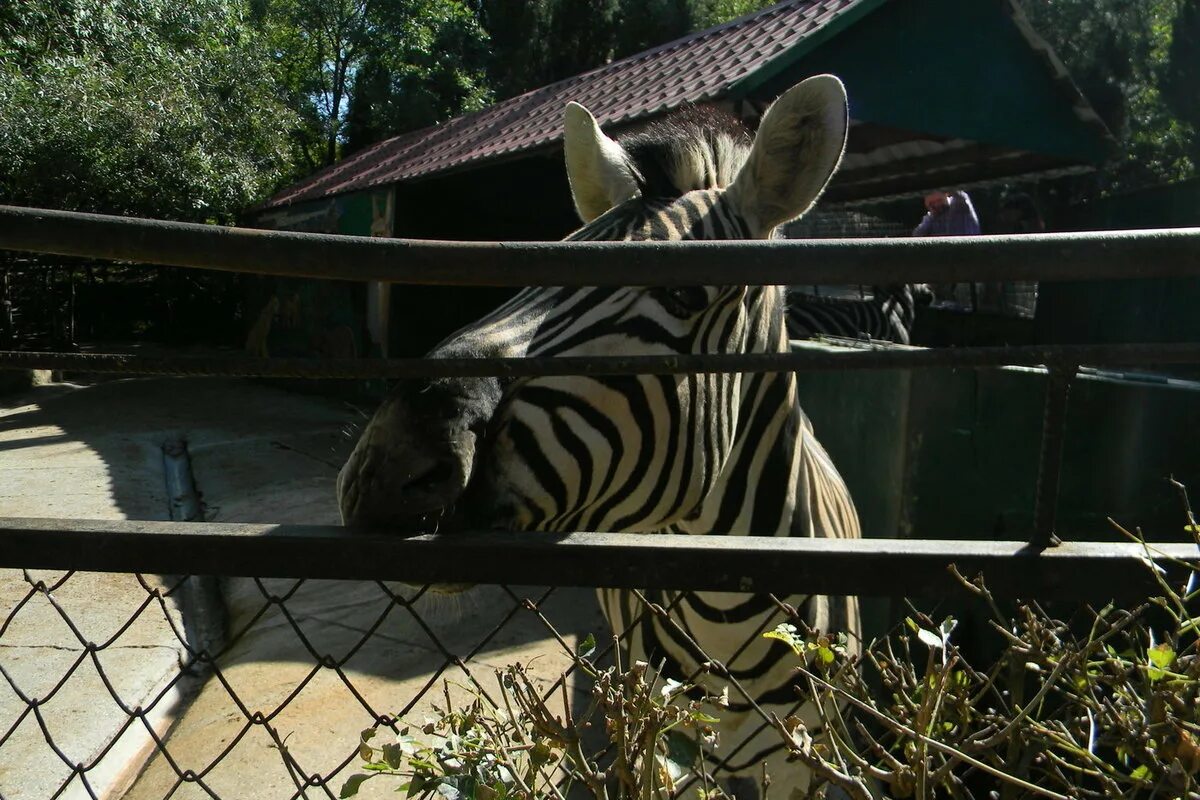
259,454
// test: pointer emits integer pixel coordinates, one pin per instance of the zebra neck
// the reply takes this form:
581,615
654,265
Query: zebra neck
757,491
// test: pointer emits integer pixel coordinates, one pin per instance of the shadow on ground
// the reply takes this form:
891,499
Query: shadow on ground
309,664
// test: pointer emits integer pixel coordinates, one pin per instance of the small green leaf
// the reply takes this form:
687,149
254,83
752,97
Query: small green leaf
1142,773
825,656
1161,656
787,634
706,719
350,787
586,647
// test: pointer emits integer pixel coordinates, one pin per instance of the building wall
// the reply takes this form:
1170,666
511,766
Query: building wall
301,317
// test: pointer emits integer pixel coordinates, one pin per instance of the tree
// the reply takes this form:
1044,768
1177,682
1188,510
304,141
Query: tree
147,107
582,34
515,30
653,22
707,13
357,71
1117,51
537,42
1180,73
426,62
317,46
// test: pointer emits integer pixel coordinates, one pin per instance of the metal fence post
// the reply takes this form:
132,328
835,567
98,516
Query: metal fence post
1054,423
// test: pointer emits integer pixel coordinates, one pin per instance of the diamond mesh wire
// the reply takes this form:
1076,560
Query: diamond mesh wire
275,710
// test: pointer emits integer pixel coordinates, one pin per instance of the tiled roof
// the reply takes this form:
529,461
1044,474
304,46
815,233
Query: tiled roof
700,67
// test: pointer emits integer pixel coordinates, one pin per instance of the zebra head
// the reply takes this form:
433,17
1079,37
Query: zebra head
633,453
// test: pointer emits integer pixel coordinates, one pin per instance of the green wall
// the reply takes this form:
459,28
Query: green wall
1151,310
953,454
925,65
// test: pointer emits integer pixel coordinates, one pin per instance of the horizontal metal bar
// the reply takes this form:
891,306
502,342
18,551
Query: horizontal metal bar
1050,257
724,563
800,359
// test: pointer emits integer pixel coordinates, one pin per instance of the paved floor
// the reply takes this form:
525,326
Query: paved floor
259,454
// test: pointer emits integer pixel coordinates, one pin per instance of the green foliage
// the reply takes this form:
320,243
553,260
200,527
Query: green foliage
536,42
1121,54
1102,703
426,62
821,651
147,107
316,47
198,110
1179,74
524,749
357,72
707,13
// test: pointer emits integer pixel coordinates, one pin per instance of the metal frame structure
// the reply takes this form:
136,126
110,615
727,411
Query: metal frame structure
1041,566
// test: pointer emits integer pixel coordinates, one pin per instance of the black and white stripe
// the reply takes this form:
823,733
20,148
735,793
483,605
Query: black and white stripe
887,316
699,454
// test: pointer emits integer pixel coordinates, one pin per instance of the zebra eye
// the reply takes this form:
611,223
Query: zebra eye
683,301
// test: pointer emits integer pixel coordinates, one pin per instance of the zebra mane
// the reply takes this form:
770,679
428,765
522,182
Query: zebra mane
696,147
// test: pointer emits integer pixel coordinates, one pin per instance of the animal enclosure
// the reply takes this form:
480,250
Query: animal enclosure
285,559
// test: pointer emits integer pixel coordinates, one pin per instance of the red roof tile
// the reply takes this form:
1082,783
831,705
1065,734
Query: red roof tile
697,68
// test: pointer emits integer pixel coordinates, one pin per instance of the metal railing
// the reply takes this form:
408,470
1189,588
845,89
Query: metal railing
1071,570
1073,256
1040,566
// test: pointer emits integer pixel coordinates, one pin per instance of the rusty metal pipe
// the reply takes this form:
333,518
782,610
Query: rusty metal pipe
1047,257
1074,570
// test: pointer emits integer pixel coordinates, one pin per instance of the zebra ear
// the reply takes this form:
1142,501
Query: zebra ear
600,171
797,150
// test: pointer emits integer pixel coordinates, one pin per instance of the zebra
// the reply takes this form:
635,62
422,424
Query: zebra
694,454
887,316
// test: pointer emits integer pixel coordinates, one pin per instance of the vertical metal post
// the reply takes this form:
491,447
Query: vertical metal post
379,294
1054,423
200,602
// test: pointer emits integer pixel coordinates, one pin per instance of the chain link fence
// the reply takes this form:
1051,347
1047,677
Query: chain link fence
276,709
